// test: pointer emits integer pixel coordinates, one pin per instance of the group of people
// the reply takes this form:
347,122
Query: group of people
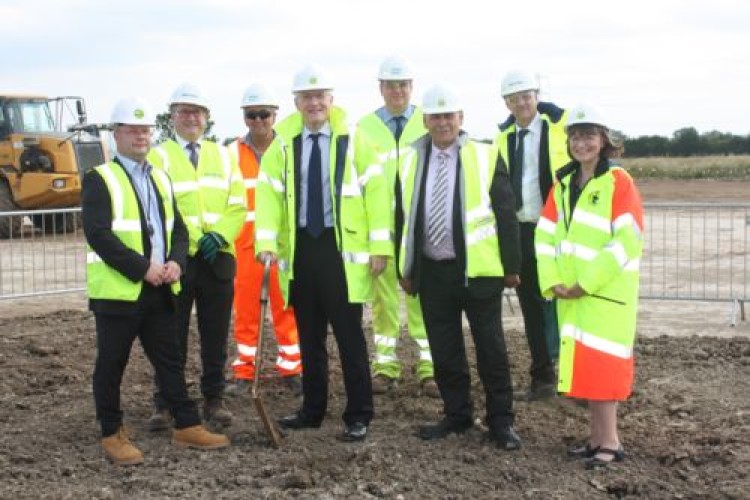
405,199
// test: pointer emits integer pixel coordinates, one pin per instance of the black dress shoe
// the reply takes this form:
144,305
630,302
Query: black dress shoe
594,462
298,421
443,428
354,432
583,451
538,391
505,438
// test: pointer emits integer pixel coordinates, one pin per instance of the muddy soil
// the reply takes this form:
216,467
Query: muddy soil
686,428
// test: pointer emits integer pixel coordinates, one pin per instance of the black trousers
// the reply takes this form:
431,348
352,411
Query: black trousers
319,295
533,309
154,326
444,297
211,289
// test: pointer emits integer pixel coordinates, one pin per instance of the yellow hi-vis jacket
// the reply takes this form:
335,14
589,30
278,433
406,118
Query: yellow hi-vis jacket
355,199
210,197
104,282
478,163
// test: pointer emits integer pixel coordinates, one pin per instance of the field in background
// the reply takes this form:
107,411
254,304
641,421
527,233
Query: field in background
693,167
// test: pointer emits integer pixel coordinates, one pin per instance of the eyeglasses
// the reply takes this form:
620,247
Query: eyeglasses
252,115
189,111
520,97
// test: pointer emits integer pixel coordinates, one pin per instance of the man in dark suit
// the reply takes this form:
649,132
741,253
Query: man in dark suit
459,249
137,250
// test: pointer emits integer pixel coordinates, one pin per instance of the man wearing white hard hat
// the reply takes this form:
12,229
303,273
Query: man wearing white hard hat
381,139
459,249
210,195
532,143
137,248
312,218
259,106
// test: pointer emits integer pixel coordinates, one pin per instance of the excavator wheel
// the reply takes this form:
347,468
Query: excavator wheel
9,226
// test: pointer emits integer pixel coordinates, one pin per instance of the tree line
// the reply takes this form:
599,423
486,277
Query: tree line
688,142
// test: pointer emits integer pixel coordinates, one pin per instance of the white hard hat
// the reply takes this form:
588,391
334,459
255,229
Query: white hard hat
395,68
187,93
440,99
585,114
133,111
258,94
518,81
311,78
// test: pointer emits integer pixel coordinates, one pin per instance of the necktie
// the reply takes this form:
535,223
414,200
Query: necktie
314,190
437,218
193,148
517,172
399,127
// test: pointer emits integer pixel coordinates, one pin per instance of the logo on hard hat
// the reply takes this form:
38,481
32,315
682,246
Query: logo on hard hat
441,102
313,80
138,113
581,114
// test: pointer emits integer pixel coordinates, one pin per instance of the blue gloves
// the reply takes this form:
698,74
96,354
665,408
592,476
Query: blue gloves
210,244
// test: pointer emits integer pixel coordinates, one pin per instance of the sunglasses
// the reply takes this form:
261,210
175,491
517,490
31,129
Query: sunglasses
252,115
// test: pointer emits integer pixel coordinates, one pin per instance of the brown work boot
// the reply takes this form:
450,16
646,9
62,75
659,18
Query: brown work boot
429,388
119,450
160,420
198,437
216,412
382,384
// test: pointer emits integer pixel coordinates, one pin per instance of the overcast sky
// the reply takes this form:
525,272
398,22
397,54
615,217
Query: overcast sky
651,66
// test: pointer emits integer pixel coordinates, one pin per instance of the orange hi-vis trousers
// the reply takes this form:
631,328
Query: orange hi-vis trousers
247,287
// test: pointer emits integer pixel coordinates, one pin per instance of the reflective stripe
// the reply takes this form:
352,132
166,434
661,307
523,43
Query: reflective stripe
289,350
276,184
596,343
238,362
265,234
425,356
283,264
93,258
384,358
545,249
423,343
380,235
356,257
478,213
632,266
246,350
250,216
184,186
237,179
577,250
164,157
372,171
618,250
236,200
384,340
126,225
211,217
287,365
546,225
226,162
194,220
250,183
350,190
170,224
213,182
480,234
592,220
626,219
117,197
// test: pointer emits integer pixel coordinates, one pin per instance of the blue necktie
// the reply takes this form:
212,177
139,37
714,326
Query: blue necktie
399,127
193,148
315,223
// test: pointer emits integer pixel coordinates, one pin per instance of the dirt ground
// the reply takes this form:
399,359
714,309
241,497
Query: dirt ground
686,428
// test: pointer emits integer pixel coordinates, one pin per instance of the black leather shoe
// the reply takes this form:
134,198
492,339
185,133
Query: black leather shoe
298,421
582,451
443,428
505,438
595,462
354,432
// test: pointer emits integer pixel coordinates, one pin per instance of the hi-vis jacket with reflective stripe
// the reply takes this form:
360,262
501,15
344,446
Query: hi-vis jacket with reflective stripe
243,155
598,245
375,145
210,197
277,202
479,225
553,146
104,282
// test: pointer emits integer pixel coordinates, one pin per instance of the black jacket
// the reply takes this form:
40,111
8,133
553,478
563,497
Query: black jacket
97,226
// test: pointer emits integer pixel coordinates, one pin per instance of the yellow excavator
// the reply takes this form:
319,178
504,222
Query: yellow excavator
46,146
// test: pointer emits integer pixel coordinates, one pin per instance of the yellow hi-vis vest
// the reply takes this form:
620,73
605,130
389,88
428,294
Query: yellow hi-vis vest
479,225
276,206
210,197
104,282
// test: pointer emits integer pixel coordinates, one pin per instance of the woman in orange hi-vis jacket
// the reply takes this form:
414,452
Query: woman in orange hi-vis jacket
259,107
588,245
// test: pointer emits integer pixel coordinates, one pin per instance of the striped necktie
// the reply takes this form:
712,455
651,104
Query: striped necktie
437,216
193,148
